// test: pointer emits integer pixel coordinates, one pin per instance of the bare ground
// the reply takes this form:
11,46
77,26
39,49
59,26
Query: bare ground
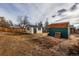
35,45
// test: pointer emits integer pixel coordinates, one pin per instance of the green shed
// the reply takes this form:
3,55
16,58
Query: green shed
62,28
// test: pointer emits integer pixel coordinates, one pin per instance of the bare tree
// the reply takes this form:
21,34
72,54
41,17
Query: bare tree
10,23
23,21
19,20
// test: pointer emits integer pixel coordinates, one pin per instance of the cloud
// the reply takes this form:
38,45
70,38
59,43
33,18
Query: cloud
35,12
69,15
74,7
61,11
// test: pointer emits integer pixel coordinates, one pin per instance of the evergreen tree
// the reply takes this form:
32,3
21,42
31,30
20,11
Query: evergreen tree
46,26
40,24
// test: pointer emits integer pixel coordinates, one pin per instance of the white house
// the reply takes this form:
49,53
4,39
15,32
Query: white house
39,30
34,29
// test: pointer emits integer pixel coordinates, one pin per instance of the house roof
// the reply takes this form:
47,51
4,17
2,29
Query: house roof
59,25
33,26
71,26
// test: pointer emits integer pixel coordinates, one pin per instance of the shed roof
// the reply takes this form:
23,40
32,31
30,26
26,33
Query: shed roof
59,25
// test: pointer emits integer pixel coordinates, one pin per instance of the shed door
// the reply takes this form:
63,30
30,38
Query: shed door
57,34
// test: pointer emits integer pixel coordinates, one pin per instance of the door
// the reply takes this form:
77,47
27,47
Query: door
57,34
34,30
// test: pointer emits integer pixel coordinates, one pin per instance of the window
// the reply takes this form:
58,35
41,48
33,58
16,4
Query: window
39,28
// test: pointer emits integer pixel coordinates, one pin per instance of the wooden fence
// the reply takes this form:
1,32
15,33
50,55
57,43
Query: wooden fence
2,29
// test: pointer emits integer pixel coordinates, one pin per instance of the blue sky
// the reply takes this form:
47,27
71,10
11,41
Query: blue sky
39,12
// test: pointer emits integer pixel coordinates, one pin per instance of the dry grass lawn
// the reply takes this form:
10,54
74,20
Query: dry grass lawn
34,45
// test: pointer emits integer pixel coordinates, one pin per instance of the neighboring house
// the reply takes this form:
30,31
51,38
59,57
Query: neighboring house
34,29
59,30
72,29
77,31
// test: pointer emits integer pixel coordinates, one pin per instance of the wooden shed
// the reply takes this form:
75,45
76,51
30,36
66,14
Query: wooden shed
59,30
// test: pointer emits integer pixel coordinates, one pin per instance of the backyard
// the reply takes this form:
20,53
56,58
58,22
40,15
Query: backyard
35,45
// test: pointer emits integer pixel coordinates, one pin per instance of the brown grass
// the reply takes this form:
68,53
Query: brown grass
28,45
